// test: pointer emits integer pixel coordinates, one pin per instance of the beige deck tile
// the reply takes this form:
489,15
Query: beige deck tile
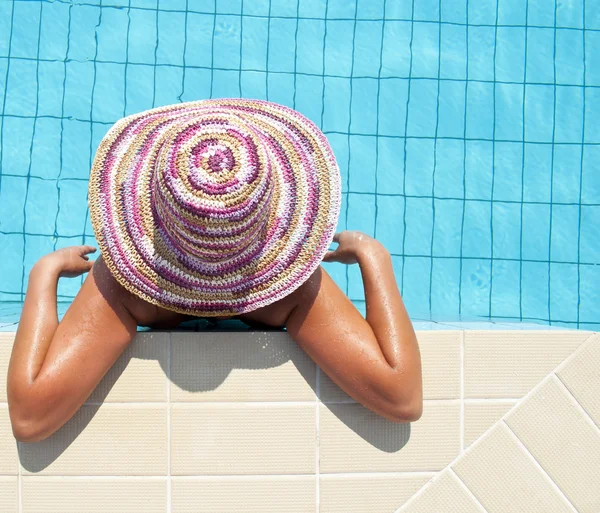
9,499
8,444
368,494
110,440
445,494
563,439
250,495
355,439
242,439
440,362
508,364
98,495
480,416
253,366
504,477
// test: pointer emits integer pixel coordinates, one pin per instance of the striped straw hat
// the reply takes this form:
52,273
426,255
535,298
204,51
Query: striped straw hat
214,207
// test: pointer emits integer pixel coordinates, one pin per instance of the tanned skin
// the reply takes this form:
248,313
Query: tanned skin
55,366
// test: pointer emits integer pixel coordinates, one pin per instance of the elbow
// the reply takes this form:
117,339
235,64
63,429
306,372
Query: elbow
408,409
26,426
27,432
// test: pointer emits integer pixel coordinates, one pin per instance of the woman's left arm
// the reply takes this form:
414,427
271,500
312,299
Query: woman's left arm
55,366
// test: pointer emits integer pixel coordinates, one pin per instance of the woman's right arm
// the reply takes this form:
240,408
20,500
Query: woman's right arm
374,360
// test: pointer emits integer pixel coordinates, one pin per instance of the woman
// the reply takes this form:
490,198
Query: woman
219,209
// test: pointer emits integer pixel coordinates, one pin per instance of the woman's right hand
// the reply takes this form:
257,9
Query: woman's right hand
351,245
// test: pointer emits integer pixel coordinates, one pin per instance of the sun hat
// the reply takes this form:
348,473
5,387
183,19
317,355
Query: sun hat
214,207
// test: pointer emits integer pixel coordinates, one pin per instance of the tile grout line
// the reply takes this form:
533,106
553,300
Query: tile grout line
168,381
123,404
318,440
578,405
467,489
538,466
462,391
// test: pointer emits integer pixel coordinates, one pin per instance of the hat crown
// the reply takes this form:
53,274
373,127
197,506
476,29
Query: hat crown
213,186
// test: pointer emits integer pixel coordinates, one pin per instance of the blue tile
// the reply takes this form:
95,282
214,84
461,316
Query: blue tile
508,170
509,112
505,289
475,288
50,77
570,14
6,14
540,58
427,10
36,247
447,228
589,293
590,234
112,35
449,169
415,287
539,113
26,23
565,231
54,33
339,145
362,163
453,52
78,89
390,165
82,41
592,120
422,108
480,110
481,53
16,144
592,16
309,97
590,190
563,295
45,153
396,49
341,8
506,223
425,48
21,88
445,279
367,47
169,83
479,169
254,85
566,173
419,226
139,88
281,89
171,36
454,12
536,232
483,12
109,93
451,120
313,8
592,69
12,200
536,172
569,114
225,84
399,10
541,14
284,8
569,57
254,43
336,105
393,95
228,6
510,51
364,106
390,224
72,207
534,289
227,42
338,48
41,207
310,46
370,9
361,213
3,70
11,256
282,45
477,234
75,149
511,12
419,167
142,35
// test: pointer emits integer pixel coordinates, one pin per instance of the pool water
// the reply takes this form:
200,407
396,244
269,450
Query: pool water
467,134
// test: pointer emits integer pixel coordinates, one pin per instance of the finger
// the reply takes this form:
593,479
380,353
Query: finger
85,257
329,256
87,249
336,237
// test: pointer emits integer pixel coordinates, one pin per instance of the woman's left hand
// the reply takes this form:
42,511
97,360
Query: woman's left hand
68,262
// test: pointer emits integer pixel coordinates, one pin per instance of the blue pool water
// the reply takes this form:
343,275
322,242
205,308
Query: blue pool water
467,133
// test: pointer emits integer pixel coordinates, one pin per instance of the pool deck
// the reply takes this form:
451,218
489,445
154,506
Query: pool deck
221,420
